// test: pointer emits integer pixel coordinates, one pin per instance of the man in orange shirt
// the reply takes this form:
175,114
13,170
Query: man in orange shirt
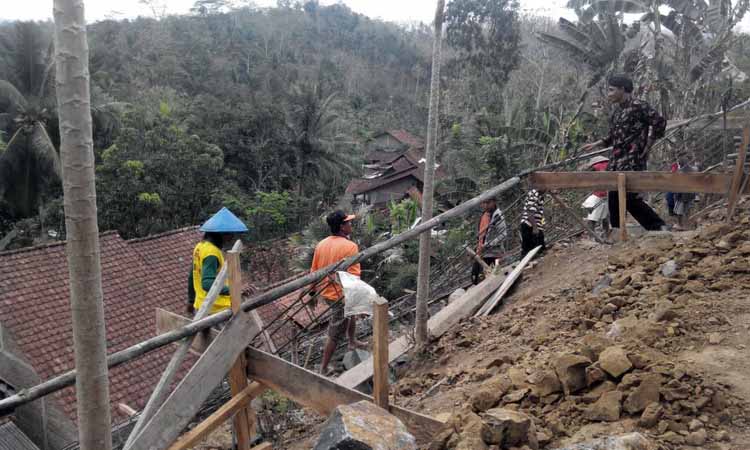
492,234
331,250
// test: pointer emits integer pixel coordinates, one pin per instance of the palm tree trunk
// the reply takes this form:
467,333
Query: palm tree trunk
77,154
423,274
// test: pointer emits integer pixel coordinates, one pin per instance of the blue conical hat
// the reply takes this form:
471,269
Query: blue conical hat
224,222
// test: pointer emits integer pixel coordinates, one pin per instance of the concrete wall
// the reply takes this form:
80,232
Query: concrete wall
41,420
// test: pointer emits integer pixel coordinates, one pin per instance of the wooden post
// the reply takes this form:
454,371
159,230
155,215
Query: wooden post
244,420
214,421
739,170
380,353
622,197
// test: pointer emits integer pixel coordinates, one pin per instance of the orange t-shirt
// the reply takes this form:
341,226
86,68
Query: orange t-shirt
329,251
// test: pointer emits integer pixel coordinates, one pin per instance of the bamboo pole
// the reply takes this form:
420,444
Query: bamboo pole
116,359
380,353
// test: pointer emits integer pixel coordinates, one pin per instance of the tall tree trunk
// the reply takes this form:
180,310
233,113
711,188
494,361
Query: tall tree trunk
77,155
423,275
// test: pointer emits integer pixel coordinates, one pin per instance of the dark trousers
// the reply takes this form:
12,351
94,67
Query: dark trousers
640,211
670,202
477,270
529,240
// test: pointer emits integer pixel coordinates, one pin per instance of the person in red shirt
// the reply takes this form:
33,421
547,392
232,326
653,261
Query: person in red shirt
331,250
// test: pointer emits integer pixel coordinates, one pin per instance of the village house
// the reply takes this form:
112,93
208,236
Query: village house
393,170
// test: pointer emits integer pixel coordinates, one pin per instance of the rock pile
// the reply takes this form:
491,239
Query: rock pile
605,357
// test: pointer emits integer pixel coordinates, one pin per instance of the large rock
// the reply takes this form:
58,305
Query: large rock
614,361
490,393
571,371
631,441
607,408
364,426
643,395
592,345
508,428
697,438
651,415
545,383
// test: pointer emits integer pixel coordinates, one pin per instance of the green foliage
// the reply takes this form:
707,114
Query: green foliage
175,176
402,214
270,214
486,34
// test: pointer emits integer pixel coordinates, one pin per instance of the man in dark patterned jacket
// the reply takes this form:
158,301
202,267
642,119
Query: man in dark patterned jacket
631,142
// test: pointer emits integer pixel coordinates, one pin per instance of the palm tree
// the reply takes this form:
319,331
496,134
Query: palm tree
308,123
597,44
30,164
701,33
29,161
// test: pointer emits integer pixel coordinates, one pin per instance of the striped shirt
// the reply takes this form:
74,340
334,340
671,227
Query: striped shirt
533,210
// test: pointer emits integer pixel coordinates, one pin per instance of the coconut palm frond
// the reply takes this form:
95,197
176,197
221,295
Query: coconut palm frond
575,50
572,31
43,149
605,8
10,97
712,57
691,9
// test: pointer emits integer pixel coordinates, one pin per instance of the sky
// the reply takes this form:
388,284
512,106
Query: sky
402,11
390,10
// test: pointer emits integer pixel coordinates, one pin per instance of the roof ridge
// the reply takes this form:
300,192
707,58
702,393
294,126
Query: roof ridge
162,234
34,248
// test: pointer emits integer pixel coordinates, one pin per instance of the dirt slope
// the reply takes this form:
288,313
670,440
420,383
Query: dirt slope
684,337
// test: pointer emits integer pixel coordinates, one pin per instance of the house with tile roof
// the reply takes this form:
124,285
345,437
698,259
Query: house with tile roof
388,144
392,175
36,331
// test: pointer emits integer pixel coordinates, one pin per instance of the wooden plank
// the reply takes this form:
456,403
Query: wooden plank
507,284
263,446
577,218
437,325
184,402
739,171
706,183
622,203
315,391
323,395
221,415
244,420
173,321
380,353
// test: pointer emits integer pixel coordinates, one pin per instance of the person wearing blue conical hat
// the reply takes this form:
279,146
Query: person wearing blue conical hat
208,260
